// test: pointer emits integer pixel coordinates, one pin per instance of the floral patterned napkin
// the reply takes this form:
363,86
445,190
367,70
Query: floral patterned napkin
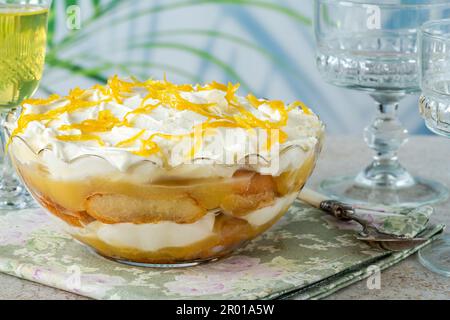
401,222
308,254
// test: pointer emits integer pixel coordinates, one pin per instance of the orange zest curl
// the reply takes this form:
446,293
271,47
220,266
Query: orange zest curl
148,148
49,100
231,92
230,89
106,122
299,104
255,102
73,102
130,141
118,87
214,86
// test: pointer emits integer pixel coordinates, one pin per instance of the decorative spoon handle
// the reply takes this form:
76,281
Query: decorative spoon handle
370,233
338,209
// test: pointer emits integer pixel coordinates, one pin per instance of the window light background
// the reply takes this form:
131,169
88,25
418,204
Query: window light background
266,45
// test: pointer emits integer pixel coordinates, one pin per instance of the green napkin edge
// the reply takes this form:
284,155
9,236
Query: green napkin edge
331,285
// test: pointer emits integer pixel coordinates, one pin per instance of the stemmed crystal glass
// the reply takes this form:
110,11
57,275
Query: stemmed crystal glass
371,45
435,109
23,39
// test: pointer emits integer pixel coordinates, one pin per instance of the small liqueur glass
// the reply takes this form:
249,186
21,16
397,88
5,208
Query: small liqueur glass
435,109
23,41
371,46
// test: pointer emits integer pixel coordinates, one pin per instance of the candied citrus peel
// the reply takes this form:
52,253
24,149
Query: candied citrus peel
49,100
73,102
164,93
255,102
130,141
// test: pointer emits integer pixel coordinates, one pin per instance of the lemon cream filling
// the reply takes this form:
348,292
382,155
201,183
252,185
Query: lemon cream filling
154,237
263,216
126,122
150,237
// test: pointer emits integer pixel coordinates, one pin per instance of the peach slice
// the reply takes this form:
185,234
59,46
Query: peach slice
232,230
117,208
240,205
253,183
75,219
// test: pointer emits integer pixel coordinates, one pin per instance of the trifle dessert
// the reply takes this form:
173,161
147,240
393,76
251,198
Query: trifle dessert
155,173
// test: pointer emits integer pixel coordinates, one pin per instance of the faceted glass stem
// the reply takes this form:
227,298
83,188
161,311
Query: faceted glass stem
12,194
385,136
385,181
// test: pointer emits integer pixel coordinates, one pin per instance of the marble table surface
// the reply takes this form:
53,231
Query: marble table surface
428,156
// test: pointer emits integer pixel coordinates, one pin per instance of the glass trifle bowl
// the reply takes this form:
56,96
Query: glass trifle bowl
157,174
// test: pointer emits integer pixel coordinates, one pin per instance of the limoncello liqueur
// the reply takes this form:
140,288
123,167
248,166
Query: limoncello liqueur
23,37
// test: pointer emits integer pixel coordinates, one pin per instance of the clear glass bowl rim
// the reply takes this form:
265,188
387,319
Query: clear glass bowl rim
393,5
38,153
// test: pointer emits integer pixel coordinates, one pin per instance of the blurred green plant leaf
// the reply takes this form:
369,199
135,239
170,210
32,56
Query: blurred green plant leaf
129,67
223,36
202,54
97,21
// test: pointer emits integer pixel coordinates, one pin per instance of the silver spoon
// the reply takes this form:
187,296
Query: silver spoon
370,233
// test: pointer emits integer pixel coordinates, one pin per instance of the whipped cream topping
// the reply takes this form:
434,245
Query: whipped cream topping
136,126
264,215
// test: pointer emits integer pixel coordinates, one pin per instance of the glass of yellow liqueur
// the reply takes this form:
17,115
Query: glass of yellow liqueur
23,38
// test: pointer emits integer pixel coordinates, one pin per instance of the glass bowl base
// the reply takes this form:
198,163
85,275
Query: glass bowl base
23,200
436,256
153,265
163,266
179,265
421,192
